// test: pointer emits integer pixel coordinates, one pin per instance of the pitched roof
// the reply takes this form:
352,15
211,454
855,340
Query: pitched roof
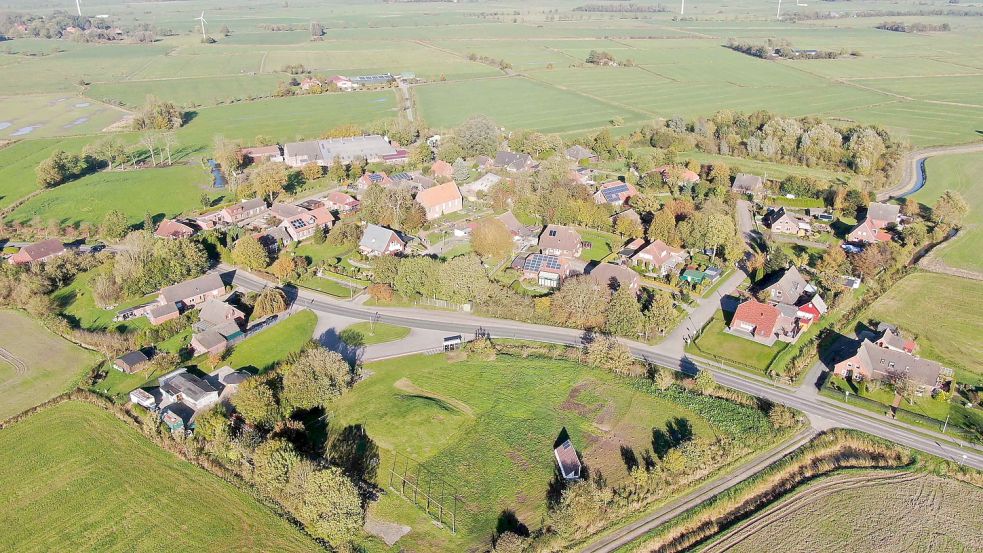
189,385
315,217
340,198
885,213
558,237
376,238
261,151
762,316
285,211
615,192
514,226
659,251
789,287
217,312
568,461
437,195
747,183
884,363
578,152
169,228
191,288
158,311
441,168
133,358
513,161
538,262
688,176
40,250
614,276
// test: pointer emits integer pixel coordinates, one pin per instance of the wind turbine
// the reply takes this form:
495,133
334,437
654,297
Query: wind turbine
778,16
202,19
682,7
78,6
800,3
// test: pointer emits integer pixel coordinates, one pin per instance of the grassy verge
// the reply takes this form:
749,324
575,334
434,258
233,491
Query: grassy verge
261,351
378,333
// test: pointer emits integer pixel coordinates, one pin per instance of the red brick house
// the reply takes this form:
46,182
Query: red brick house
440,200
169,228
441,168
615,193
560,240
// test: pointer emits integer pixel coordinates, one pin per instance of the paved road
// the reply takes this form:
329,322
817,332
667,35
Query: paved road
631,532
665,354
404,89
909,177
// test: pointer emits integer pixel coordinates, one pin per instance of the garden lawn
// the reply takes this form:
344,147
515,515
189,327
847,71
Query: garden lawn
944,314
162,192
960,173
716,343
488,429
603,244
261,351
378,333
79,307
42,364
77,479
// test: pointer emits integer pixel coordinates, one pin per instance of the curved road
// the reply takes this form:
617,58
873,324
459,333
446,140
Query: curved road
909,177
668,354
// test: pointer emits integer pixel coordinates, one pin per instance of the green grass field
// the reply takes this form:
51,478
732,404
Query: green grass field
377,333
489,428
45,115
77,479
41,364
163,192
79,307
260,352
734,349
18,161
962,174
944,313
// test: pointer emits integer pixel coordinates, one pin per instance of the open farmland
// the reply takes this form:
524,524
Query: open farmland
46,115
75,478
488,428
944,313
962,174
908,513
18,161
28,377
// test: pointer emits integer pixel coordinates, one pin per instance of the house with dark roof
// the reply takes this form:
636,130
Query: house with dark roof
217,338
243,210
38,252
752,185
184,295
378,240
615,193
561,241
616,277
878,361
881,215
786,222
579,153
131,362
286,211
180,386
787,287
513,162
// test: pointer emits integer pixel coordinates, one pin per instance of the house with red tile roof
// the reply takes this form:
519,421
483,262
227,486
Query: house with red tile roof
309,82
38,252
756,321
867,232
440,200
368,179
441,168
169,228
341,202
615,193
659,257
302,226
687,176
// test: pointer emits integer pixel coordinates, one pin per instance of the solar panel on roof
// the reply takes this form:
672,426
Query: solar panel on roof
375,177
402,176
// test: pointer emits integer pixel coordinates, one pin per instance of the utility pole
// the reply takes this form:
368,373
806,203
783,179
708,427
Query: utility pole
946,424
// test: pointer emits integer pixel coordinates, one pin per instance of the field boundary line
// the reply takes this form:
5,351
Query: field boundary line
634,109
798,501
631,532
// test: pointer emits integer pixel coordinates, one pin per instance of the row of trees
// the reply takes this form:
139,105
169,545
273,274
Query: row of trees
146,263
781,49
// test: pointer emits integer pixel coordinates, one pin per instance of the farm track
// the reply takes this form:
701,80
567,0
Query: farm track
775,513
909,177
20,368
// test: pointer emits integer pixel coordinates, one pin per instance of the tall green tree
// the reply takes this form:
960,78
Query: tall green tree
332,507
624,317
249,253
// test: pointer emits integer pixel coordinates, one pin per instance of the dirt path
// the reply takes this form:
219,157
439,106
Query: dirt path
20,368
803,500
406,385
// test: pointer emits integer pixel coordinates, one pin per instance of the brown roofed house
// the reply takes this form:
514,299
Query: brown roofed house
441,168
561,240
788,287
756,321
785,222
659,257
868,232
871,361
244,210
881,215
615,193
616,276
38,252
440,200
131,362
169,228
261,153
748,184
303,226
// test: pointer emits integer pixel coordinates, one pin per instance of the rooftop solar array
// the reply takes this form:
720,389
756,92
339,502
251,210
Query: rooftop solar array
402,176
375,177
613,194
538,262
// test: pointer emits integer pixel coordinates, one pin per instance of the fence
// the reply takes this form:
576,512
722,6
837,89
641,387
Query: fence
427,491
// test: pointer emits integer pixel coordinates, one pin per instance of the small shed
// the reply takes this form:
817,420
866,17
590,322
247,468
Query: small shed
143,398
693,276
712,274
567,460
131,362
453,342
173,422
